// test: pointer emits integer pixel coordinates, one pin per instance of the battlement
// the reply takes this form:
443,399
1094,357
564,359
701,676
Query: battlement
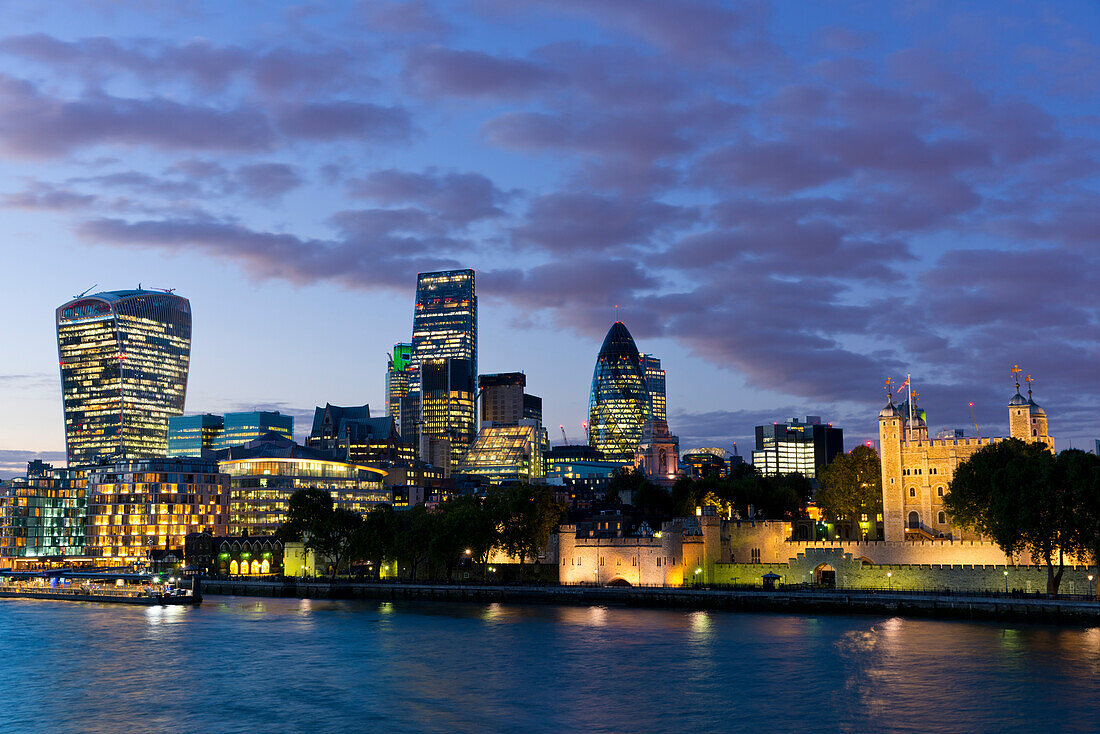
930,442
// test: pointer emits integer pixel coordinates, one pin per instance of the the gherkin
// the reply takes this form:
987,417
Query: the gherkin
618,405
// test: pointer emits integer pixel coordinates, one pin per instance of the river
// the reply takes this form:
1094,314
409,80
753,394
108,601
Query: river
240,664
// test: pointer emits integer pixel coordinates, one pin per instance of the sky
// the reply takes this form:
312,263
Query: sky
785,202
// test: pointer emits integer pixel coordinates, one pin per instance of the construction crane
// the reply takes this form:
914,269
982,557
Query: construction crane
974,421
563,436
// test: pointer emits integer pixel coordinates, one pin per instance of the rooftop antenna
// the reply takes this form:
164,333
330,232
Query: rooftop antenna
86,292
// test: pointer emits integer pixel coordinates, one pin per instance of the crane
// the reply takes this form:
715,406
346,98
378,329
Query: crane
974,421
563,436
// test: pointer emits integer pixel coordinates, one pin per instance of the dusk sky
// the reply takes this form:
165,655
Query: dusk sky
787,202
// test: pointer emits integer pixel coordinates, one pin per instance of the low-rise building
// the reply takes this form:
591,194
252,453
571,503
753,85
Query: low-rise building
42,516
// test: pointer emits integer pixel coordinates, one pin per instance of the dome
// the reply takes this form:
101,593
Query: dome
1036,409
1017,399
889,411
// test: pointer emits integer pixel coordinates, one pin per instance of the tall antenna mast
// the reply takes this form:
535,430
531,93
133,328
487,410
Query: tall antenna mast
974,421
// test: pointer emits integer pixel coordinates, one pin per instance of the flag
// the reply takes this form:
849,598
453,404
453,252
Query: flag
902,386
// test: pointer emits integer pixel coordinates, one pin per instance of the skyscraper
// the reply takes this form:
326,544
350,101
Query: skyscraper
806,448
123,357
655,386
618,404
444,349
398,372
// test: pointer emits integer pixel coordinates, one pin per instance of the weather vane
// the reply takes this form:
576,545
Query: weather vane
1016,373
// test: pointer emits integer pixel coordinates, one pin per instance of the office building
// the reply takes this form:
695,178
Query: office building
398,379
793,446
191,435
264,473
139,508
357,437
655,386
124,358
507,452
444,349
194,435
42,516
240,428
502,397
618,403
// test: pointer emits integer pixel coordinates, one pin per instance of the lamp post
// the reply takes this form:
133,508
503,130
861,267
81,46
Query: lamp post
1006,580
890,580
697,572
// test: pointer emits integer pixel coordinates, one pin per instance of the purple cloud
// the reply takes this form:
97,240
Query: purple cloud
460,198
442,71
342,120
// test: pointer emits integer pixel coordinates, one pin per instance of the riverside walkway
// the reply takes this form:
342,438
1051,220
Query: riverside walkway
796,600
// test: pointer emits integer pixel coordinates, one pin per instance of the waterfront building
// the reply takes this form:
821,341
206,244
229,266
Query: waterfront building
123,357
234,555
444,349
794,446
356,437
618,403
139,506
658,454
264,473
194,435
42,515
655,386
917,470
507,452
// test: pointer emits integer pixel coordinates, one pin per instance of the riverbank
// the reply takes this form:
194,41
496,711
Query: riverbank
792,601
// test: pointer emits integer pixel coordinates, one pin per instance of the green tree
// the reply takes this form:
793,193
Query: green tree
376,538
305,508
334,535
412,538
1013,492
851,486
1080,473
526,515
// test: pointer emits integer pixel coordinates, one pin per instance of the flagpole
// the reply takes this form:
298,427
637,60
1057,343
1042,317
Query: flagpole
909,382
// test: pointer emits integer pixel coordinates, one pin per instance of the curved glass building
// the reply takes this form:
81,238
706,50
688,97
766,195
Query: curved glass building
124,357
619,404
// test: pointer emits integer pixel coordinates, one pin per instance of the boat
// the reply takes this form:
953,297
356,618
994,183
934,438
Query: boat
113,587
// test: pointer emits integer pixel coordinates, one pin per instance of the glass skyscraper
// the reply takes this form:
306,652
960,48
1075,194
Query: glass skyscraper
189,435
398,375
124,357
618,405
444,349
655,387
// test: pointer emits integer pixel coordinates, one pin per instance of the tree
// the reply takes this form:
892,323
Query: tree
1080,472
1017,494
306,507
851,487
376,538
526,515
333,536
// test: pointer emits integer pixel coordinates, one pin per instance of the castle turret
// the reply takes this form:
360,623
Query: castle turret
1019,412
890,436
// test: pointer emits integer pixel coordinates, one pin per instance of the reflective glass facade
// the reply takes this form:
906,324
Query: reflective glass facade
618,403
261,489
806,448
190,435
507,453
135,507
240,428
655,387
124,358
44,514
444,348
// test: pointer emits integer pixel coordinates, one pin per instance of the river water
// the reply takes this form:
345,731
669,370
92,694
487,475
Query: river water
239,664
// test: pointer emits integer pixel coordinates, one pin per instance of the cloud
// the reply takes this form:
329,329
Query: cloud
267,180
443,71
459,198
47,197
345,119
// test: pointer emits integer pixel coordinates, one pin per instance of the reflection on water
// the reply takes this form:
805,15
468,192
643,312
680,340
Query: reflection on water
238,664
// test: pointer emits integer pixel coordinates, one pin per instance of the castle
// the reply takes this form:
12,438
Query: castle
916,469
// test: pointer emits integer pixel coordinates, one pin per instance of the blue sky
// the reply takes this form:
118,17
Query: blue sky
788,202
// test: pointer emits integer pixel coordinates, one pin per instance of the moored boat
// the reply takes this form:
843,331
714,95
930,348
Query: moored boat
114,587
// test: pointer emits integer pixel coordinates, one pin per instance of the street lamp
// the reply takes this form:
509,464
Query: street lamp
697,572
1006,581
890,580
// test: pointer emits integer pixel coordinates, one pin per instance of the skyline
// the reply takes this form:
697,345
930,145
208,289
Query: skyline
786,209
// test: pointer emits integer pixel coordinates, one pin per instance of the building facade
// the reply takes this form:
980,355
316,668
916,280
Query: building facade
502,397
240,428
655,387
354,436
263,474
194,435
794,446
507,453
42,515
917,470
658,455
398,376
124,357
444,351
140,506
618,404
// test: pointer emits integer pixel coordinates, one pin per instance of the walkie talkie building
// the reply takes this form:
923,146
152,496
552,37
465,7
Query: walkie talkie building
124,357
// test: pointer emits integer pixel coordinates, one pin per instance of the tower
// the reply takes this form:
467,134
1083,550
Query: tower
890,436
444,351
618,403
1019,412
124,358
655,386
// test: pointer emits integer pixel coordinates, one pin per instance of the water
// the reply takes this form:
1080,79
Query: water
244,665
